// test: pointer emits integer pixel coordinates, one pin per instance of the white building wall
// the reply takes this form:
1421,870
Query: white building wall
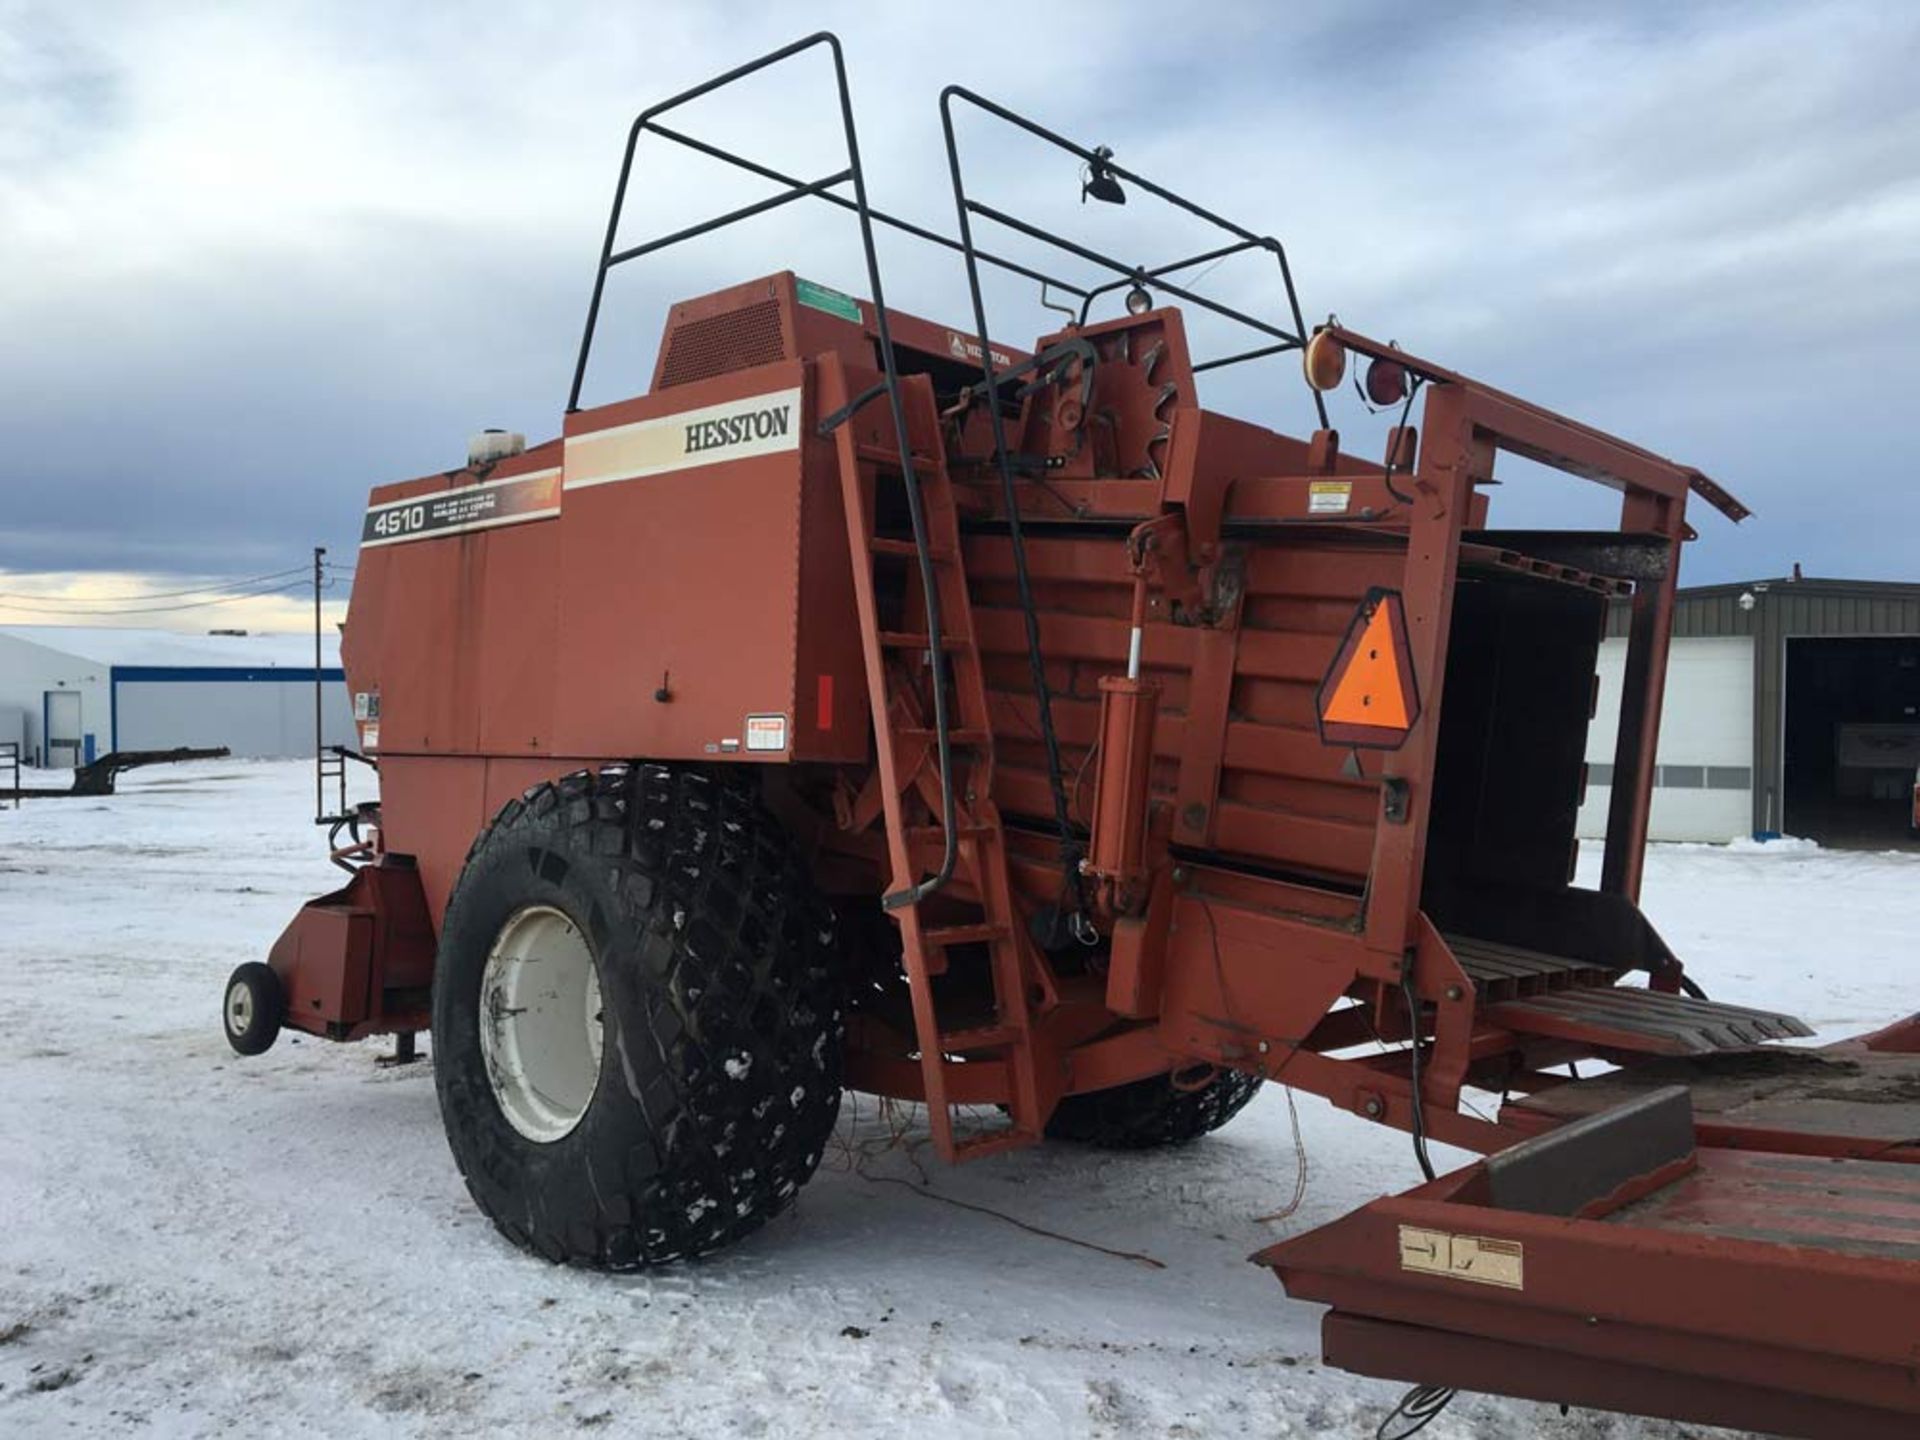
257,719
1704,781
28,671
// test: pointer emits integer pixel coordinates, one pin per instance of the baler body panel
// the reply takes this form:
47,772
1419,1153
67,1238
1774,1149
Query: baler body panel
662,572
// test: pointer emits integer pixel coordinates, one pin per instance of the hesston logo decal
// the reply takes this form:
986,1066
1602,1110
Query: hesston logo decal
760,425
733,430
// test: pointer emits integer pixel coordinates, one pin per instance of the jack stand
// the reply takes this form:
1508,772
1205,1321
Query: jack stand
404,1052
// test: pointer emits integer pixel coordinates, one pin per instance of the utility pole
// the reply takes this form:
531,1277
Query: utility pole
319,738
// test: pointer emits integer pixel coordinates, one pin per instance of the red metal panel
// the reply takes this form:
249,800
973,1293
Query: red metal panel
325,965
686,580
1672,1282
432,807
1532,1372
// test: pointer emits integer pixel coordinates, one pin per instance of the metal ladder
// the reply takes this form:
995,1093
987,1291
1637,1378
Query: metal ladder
908,763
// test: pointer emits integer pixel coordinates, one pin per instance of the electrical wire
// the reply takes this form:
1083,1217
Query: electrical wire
1406,410
221,586
297,585
1419,1407
1413,1065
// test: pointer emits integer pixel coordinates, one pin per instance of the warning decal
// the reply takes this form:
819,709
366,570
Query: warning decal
1368,698
1480,1259
511,501
833,302
1329,497
766,732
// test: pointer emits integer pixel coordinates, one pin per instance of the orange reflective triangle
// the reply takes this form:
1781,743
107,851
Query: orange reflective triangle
1368,691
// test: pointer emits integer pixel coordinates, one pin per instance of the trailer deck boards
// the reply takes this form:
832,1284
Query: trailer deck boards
1842,1101
1848,1207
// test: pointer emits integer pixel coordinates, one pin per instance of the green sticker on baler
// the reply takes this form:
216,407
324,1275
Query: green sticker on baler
831,301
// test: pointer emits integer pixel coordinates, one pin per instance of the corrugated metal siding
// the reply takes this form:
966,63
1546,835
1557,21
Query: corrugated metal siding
1784,610
1798,607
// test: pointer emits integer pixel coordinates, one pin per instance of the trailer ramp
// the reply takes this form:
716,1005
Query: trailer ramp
1620,1261
1557,997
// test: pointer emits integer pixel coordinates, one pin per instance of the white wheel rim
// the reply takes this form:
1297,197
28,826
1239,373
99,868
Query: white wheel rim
239,1008
540,1030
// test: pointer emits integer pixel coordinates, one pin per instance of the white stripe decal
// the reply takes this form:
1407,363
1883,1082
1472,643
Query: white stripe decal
758,425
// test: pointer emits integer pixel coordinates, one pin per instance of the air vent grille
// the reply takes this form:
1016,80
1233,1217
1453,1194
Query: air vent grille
735,340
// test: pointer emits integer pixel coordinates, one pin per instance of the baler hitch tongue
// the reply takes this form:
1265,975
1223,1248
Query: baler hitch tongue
1620,1263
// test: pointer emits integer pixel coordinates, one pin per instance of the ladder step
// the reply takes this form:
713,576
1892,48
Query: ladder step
887,455
979,1037
885,545
943,936
956,735
937,834
917,640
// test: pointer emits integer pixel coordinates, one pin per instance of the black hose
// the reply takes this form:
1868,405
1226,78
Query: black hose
1413,1061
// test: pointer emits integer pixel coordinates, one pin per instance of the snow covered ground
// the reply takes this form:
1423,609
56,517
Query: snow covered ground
191,1244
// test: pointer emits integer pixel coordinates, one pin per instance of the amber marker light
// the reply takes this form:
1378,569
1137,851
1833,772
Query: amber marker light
1325,360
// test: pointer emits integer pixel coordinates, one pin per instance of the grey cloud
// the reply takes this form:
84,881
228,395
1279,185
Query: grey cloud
232,303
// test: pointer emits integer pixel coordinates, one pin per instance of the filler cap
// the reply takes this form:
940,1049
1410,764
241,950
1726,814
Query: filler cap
490,447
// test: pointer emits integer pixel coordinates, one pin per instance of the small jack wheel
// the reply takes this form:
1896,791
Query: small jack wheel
253,1009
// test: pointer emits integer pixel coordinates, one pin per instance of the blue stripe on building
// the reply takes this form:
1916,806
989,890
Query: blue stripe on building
203,674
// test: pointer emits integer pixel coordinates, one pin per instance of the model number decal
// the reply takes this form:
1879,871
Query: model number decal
510,501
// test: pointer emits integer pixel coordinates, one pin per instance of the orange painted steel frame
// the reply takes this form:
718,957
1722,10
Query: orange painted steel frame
1272,902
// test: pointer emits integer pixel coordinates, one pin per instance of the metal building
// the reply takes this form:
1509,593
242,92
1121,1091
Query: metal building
71,693
1792,706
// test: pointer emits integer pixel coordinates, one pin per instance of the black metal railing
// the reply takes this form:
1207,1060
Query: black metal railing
824,188
1281,339
1276,339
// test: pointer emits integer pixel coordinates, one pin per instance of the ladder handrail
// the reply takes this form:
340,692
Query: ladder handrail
855,172
647,122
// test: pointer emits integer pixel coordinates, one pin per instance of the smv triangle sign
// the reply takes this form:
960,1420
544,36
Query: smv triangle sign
1368,697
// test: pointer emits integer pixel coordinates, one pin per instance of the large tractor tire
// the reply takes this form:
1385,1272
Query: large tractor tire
1151,1113
636,1017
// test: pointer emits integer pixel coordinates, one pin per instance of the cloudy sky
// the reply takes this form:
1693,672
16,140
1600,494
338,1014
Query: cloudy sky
255,258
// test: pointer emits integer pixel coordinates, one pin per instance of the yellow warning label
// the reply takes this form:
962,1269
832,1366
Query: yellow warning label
1480,1259
1329,497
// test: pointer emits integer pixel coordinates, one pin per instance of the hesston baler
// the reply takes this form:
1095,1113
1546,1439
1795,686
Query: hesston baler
872,704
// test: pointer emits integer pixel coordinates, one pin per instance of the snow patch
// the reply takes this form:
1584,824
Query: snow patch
120,1233
1778,845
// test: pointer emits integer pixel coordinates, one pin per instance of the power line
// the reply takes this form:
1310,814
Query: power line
218,585
291,587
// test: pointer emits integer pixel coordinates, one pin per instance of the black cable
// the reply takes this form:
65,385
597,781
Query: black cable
1406,411
216,587
1413,1061
1071,879
292,586
1420,1406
